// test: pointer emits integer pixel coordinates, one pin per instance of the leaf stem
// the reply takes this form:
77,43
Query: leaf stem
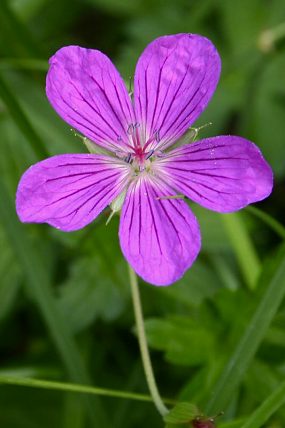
162,409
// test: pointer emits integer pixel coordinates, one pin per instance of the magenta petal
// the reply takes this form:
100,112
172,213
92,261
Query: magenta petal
69,191
86,90
175,78
223,173
160,238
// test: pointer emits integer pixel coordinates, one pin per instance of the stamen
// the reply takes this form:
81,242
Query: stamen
120,154
130,129
149,154
152,139
160,154
157,137
133,131
128,158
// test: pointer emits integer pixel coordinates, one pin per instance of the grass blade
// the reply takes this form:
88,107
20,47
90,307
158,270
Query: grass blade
17,33
269,220
267,408
243,248
252,337
21,119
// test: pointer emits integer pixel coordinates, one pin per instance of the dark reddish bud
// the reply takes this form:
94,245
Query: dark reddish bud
203,423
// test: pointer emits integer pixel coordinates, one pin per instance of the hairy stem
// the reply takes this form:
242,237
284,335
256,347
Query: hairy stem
143,345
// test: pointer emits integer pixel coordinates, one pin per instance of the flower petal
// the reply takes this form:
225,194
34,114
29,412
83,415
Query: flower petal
175,78
69,191
223,173
160,238
86,90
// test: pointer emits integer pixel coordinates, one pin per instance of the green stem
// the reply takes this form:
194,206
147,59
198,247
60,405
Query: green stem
143,345
267,408
72,387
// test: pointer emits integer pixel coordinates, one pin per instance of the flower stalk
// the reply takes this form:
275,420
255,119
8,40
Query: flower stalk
148,370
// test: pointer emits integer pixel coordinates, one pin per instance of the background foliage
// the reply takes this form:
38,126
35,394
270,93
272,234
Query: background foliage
217,336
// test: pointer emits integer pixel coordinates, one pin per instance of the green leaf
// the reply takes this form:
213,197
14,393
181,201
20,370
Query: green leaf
184,341
199,283
90,293
181,413
103,293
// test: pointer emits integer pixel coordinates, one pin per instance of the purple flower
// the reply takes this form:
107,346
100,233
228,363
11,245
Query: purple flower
175,78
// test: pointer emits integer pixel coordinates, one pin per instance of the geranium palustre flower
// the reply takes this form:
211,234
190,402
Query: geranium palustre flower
174,80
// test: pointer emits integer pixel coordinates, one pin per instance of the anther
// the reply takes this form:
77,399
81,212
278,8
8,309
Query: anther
149,154
128,158
130,129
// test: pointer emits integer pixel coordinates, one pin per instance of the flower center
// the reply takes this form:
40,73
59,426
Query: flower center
140,153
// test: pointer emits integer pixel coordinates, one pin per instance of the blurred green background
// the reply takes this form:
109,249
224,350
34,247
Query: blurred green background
65,307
